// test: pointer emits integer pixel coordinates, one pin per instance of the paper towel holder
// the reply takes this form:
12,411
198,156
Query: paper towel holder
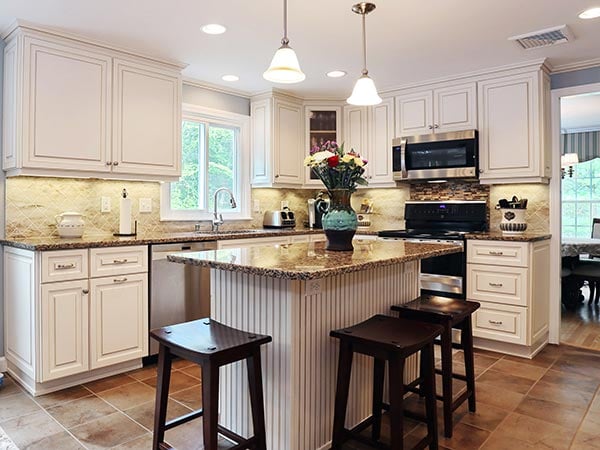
128,234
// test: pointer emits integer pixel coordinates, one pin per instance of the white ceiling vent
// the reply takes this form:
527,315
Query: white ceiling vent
544,38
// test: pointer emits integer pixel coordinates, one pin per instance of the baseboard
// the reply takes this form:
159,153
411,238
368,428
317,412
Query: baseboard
3,365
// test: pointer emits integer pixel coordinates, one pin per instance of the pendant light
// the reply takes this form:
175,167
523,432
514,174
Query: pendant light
364,92
284,67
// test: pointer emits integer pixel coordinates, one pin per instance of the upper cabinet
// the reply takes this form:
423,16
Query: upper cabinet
513,127
322,124
277,142
77,109
452,108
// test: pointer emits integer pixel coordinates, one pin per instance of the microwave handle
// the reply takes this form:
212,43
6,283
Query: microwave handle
403,158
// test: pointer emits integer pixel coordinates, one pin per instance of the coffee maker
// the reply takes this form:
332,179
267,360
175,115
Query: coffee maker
317,207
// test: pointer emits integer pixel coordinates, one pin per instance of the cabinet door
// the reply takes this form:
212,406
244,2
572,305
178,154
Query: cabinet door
118,319
287,145
10,122
455,108
356,129
509,142
381,133
66,107
414,114
64,329
146,120
262,159
322,124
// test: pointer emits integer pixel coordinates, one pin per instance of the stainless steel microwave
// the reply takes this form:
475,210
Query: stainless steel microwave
436,156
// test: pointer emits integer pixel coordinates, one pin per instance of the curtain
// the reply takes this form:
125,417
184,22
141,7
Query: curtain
586,145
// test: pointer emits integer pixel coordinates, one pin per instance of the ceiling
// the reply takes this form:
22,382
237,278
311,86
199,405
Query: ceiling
408,40
580,112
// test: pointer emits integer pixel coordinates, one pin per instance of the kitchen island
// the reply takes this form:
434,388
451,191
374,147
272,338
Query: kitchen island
297,293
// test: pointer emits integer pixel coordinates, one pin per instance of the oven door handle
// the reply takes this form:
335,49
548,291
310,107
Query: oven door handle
403,158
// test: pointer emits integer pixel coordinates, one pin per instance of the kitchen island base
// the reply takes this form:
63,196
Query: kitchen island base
300,365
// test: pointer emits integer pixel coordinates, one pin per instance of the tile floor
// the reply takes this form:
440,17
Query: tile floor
550,402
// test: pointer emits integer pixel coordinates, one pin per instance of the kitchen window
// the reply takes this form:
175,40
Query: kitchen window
215,154
581,199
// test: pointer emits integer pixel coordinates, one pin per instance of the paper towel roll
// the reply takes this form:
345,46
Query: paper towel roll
125,216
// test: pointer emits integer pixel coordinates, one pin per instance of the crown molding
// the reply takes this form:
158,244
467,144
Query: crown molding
25,25
216,87
579,65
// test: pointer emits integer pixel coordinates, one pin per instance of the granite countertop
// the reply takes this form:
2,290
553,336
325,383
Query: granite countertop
579,246
307,261
499,236
108,240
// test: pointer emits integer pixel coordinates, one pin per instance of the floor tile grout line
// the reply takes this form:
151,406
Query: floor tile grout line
584,417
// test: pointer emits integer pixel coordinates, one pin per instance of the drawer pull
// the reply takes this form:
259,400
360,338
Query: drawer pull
495,284
495,322
120,280
119,261
495,253
86,291
64,266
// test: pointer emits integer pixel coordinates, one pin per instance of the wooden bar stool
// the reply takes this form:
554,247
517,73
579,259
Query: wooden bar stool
386,339
450,313
211,345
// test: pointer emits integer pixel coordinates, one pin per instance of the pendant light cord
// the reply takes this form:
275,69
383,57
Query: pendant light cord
285,41
364,36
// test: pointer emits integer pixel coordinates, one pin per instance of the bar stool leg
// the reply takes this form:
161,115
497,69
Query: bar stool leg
162,396
428,376
396,386
378,380
210,405
466,340
341,394
446,344
256,399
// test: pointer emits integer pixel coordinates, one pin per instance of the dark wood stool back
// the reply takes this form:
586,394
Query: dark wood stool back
391,340
211,345
450,313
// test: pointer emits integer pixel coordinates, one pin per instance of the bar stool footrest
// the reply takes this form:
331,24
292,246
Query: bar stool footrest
458,376
183,419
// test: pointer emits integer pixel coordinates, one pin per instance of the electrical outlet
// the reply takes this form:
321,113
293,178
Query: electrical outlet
145,205
284,204
105,205
256,206
313,287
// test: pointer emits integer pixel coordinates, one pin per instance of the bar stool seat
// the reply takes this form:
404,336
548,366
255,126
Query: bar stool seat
393,340
211,345
450,313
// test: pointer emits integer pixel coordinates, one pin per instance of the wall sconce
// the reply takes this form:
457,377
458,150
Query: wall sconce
568,160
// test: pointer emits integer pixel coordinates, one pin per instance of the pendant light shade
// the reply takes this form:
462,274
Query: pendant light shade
284,67
364,92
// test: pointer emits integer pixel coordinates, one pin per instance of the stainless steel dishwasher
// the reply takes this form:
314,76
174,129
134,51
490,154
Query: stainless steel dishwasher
179,292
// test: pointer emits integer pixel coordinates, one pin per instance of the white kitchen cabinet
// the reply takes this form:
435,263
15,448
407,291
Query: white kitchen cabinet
439,110
322,123
510,281
277,142
118,319
512,129
64,323
356,129
80,109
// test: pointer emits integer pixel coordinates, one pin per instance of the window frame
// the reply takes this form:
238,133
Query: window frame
588,201
216,117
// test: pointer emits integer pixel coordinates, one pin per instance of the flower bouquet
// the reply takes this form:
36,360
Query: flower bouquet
340,172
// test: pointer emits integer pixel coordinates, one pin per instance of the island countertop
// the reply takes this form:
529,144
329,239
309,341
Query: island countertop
307,261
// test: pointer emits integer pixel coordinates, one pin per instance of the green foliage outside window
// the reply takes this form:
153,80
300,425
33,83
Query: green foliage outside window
581,199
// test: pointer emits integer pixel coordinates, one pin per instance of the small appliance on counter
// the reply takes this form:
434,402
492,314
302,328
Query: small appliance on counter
317,207
279,219
70,224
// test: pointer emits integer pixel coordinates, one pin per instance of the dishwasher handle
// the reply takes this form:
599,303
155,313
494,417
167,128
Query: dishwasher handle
160,251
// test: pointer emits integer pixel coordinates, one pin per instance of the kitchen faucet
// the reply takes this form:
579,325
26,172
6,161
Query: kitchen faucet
218,218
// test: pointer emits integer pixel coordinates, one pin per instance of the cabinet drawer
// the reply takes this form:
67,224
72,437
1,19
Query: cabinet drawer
118,260
498,284
500,253
503,323
64,265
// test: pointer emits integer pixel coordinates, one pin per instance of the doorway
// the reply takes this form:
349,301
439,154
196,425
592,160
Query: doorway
575,203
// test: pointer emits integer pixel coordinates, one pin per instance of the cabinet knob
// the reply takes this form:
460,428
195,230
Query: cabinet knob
370,177
480,170
276,176
430,127
436,126
109,163
115,163
85,291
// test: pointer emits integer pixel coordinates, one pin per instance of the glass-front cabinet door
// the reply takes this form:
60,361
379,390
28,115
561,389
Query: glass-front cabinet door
323,123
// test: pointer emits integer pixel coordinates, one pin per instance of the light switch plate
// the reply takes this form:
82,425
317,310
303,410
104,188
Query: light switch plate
284,204
145,205
105,205
256,206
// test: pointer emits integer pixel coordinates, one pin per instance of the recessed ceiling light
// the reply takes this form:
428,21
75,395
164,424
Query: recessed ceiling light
591,13
230,78
336,74
214,28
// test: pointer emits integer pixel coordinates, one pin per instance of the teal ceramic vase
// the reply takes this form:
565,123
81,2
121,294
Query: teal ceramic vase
340,222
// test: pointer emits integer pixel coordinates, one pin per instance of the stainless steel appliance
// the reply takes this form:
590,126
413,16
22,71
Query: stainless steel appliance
436,156
442,222
279,219
178,292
